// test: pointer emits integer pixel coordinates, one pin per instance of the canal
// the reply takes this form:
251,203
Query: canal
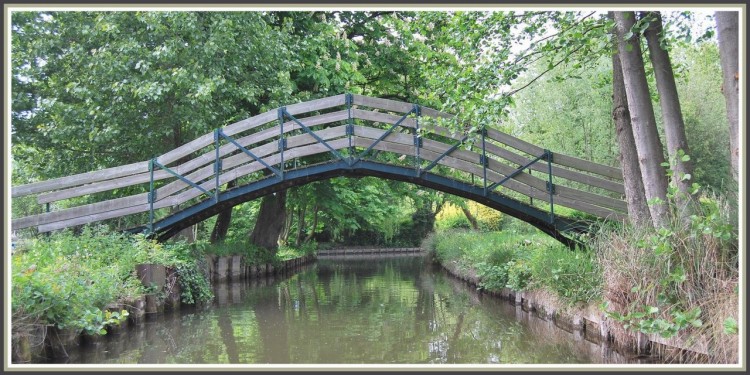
371,310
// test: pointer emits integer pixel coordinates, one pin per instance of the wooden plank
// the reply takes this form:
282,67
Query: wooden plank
427,111
409,122
386,104
317,104
241,158
251,123
568,174
78,179
397,106
562,159
78,211
315,148
528,179
398,142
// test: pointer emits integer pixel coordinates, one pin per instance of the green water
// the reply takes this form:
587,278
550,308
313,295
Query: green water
349,311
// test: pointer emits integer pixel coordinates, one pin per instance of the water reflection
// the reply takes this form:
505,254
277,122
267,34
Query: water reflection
389,310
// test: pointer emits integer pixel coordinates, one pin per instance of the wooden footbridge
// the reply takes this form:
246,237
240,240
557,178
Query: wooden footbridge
344,135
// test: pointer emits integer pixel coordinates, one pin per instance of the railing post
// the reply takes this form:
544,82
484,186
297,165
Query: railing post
417,138
47,209
550,186
282,140
151,197
217,163
484,160
531,199
350,126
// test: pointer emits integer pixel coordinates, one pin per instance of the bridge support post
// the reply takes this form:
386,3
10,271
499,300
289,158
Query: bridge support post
349,127
417,139
550,186
151,197
484,160
282,140
217,164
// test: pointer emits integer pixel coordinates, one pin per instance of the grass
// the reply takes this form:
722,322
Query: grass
520,261
681,280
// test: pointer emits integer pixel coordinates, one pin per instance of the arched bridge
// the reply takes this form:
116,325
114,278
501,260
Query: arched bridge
344,135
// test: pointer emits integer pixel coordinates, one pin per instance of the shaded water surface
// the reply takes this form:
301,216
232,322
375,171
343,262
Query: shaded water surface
354,311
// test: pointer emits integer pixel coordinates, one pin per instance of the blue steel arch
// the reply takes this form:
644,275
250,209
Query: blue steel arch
554,226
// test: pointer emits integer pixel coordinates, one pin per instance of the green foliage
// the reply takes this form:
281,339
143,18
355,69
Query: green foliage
289,252
730,326
520,274
190,263
704,113
522,262
67,280
647,321
573,275
451,215
94,322
136,84
253,254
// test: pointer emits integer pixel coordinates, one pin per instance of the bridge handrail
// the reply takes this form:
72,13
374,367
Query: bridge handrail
176,154
201,171
460,159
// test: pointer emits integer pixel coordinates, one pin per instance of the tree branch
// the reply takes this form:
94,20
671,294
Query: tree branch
544,72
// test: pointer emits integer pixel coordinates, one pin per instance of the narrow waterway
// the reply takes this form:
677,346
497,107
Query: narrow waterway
374,310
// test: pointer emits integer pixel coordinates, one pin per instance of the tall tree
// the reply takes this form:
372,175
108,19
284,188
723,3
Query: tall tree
631,171
645,134
727,25
674,126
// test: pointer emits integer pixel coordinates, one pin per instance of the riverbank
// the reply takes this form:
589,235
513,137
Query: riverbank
70,290
568,288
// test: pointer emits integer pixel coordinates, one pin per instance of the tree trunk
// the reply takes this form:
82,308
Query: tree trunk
471,218
314,225
270,222
289,220
223,220
631,171
674,126
727,26
645,134
301,210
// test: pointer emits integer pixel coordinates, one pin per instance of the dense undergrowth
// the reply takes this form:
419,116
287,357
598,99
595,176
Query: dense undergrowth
67,280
